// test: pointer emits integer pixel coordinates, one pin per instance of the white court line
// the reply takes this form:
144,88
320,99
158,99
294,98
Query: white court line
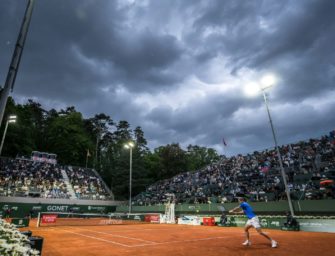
141,245
109,234
182,241
96,238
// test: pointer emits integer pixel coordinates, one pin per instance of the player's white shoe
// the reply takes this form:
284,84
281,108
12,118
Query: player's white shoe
274,244
247,243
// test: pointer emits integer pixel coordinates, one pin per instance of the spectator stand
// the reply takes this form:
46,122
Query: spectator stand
257,175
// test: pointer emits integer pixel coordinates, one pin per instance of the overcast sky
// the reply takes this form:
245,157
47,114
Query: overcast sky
177,68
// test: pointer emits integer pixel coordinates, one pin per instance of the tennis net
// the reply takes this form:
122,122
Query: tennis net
50,219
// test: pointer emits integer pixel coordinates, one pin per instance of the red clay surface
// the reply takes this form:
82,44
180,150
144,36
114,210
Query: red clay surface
176,240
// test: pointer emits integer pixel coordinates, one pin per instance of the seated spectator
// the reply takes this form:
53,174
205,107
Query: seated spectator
256,174
223,219
291,222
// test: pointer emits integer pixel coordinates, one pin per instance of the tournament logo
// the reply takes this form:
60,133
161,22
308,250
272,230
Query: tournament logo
57,208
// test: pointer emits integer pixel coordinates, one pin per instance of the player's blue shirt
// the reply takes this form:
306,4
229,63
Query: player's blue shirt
247,210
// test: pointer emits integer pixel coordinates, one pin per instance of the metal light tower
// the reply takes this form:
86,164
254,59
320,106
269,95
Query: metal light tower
130,146
11,119
14,65
253,88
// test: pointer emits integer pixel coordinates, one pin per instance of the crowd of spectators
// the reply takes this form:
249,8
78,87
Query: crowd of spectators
26,178
256,175
86,184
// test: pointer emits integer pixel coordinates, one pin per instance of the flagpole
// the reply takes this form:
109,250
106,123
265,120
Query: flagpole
224,147
86,159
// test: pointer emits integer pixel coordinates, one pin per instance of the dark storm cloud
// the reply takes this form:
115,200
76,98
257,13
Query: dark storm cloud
177,68
74,48
296,40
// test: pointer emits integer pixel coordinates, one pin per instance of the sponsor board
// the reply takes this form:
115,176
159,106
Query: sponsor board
189,220
13,208
20,223
111,222
137,217
152,218
208,221
264,223
275,223
317,225
49,218
96,208
57,208
75,208
37,208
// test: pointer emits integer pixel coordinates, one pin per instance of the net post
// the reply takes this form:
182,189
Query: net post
38,219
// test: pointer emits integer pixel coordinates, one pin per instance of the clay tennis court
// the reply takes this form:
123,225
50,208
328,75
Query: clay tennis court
165,239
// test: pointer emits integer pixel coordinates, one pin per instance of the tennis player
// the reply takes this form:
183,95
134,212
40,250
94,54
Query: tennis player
253,221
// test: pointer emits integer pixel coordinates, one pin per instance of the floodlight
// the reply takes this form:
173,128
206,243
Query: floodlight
252,89
268,80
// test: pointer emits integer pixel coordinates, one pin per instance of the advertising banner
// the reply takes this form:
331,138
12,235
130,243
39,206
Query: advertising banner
189,220
49,218
306,224
152,218
317,225
20,222
208,221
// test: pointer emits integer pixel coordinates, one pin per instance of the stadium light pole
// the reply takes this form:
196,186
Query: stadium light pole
16,58
253,89
130,146
11,119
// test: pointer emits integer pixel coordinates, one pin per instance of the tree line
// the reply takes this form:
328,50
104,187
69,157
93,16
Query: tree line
98,142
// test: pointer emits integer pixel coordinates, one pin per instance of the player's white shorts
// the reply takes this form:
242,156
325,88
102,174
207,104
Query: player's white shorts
253,222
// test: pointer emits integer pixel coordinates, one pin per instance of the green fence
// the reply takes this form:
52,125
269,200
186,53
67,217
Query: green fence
20,210
280,207
317,224
266,222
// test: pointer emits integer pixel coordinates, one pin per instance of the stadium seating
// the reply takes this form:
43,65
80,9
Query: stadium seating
86,184
256,175
26,178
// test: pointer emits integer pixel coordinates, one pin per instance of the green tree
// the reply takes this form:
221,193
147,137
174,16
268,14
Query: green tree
140,141
67,138
199,157
173,160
